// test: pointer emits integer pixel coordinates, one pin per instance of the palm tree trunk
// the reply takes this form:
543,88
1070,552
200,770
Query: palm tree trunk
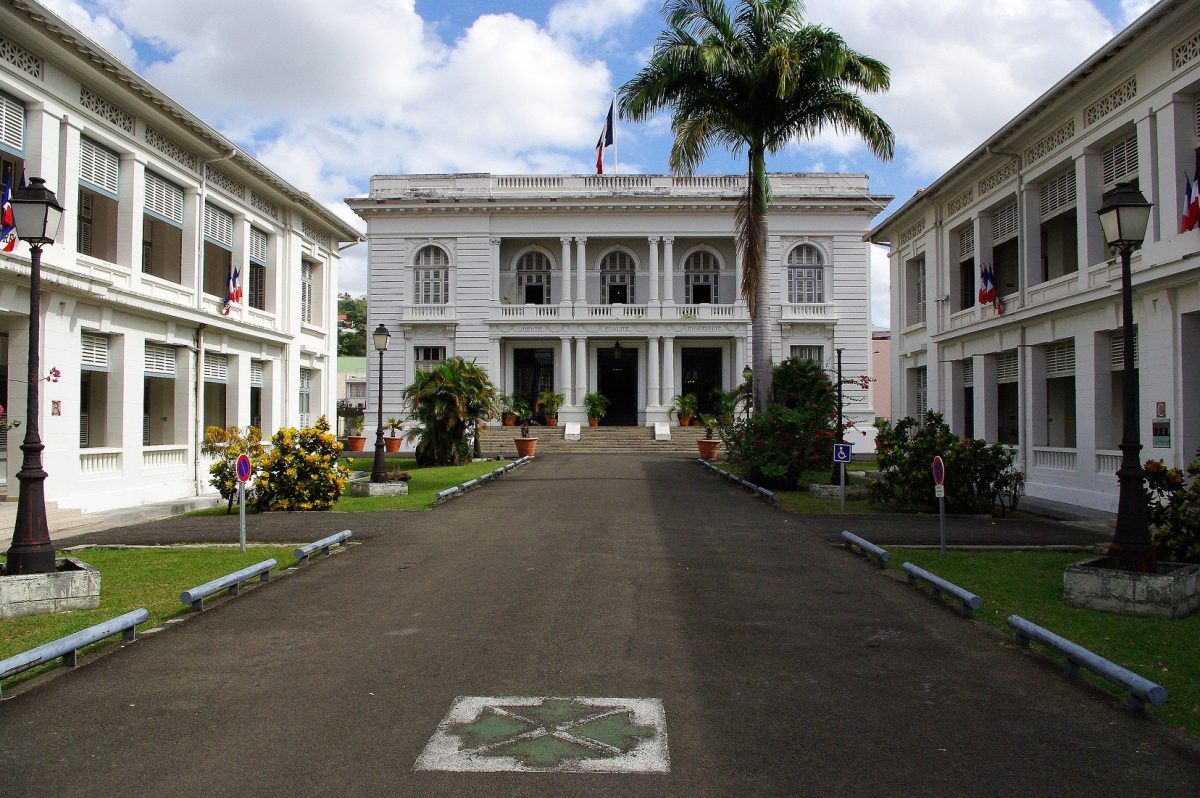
756,287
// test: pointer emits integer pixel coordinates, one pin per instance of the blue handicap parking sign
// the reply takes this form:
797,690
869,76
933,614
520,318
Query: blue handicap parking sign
841,453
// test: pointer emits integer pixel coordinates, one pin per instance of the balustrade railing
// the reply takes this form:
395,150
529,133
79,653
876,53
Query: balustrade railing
99,461
1054,458
168,456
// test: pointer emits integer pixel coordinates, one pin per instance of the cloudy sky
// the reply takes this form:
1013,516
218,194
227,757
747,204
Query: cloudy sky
328,95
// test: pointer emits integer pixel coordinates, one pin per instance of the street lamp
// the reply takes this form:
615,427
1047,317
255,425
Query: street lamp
1123,215
36,216
839,470
379,469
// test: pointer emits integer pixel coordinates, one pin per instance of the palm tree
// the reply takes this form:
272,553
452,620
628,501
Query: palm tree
755,81
449,401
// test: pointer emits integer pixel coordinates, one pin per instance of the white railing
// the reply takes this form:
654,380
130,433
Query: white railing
809,311
168,291
533,312
964,318
99,461
1108,462
104,271
260,318
167,456
701,312
1053,289
428,312
1053,458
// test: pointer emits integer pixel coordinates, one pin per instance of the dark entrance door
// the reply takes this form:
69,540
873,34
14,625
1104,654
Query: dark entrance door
533,373
617,379
701,375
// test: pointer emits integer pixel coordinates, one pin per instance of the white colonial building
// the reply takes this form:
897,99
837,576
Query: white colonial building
159,208
1040,370
625,284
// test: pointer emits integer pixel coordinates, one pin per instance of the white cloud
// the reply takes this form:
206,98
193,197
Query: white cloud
1132,9
593,19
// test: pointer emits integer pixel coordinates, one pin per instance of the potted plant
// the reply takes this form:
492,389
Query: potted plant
708,445
355,440
507,417
391,443
526,446
548,403
597,405
685,407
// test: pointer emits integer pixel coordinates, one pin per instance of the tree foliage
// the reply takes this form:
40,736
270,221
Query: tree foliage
301,471
227,444
1174,497
754,79
352,331
449,402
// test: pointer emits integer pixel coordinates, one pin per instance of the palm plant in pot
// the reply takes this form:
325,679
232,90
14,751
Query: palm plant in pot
597,405
548,403
526,446
708,445
507,417
391,443
685,407
355,440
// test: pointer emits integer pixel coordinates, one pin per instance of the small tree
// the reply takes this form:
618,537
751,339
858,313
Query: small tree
302,470
449,402
1174,503
227,444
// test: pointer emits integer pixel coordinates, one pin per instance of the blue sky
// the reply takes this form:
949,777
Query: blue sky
328,97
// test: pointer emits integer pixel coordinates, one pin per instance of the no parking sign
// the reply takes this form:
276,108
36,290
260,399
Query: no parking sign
243,468
243,474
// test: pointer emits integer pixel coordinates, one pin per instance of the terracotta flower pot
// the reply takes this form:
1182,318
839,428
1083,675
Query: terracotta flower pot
508,420
708,448
526,447
551,421
592,422
356,443
391,444
685,421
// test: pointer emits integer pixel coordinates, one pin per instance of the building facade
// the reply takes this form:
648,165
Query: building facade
160,208
622,284
1040,367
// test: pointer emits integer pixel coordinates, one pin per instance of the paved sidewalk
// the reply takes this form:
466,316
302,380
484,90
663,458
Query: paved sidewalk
783,665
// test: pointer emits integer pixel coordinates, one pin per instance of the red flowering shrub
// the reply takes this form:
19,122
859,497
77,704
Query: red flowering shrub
1175,510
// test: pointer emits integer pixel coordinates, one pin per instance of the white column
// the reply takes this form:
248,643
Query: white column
452,285
580,370
494,268
668,270
564,372
68,187
739,359
581,270
566,270
668,371
192,274
739,263
493,364
1148,152
653,393
129,214
654,271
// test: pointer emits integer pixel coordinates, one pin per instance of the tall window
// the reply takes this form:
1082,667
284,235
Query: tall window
1060,394
1119,162
99,184
218,250
427,357
432,267
162,229
257,283
305,396
158,395
806,275
808,352
533,278
1006,245
1008,399
914,291
12,140
616,278
967,295
920,394
93,389
701,273
307,284
1059,236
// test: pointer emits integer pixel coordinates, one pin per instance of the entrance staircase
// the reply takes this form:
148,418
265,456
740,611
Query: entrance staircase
594,440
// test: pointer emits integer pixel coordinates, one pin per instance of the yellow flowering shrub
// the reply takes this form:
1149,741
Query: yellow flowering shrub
301,471
227,444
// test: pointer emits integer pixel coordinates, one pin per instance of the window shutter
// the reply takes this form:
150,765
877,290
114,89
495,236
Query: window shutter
922,394
218,226
258,246
160,360
968,373
966,243
94,356
1117,345
256,373
306,292
305,380
12,124
1058,193
85,222
1060,360
1004,222
83,430
99,167
1006,367
164,199
1120,161
216,367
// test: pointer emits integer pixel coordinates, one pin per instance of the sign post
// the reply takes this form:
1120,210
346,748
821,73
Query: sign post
841,456
939,490
243,474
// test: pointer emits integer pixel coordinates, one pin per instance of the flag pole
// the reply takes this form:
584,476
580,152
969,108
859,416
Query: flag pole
614,107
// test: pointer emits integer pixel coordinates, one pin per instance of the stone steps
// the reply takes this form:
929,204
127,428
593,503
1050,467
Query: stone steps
595,440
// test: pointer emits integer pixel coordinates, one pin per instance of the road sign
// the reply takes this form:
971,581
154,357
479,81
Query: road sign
243,468
841,453
939,491
939,470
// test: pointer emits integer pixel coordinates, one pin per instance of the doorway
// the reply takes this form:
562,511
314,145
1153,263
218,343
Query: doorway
701,375
533,373
617,379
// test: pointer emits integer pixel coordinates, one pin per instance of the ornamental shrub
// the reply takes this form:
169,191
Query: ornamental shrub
1174,503
227,444
776,447
978,474
301,471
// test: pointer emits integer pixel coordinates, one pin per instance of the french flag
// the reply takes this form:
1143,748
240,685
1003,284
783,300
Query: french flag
8,230
606,139
987,286
1191,202
234,294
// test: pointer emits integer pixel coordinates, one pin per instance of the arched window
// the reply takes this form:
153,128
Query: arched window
432,268
700,273
616,278
806,275
533,278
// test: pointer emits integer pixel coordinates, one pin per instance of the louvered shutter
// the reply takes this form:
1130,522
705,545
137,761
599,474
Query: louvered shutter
258,246
1004,222
94,355
1006,367
1119,161
218,226
86,201
216,367
1058,193
164,199
100,168
160,360
12,124
1117,346
922,394
256,373
966,243
968,373
1060,360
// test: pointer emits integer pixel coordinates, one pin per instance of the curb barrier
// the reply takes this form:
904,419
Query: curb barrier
231,582
322,545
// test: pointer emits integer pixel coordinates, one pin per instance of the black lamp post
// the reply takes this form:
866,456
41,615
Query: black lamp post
379,469
36,216
838,435
1123,215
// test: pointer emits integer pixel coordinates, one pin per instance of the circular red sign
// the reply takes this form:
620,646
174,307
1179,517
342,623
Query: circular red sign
939,470
243,468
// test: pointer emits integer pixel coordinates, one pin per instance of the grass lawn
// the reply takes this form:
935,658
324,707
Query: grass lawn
422,488
130,578
1029,584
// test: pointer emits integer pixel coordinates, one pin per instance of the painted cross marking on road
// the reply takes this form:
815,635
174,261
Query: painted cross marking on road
548,734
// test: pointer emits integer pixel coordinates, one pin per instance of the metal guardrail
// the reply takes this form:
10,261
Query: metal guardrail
852,540
68,647
458,490
769,495
1141,690
323,545
231,582
970,602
